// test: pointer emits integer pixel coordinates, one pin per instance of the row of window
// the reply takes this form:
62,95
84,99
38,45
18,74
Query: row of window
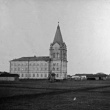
34,75
55,64
56,55
55,69
31,64
30,69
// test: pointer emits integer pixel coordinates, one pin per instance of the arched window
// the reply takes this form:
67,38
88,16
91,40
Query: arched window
58,55
53,69
53,55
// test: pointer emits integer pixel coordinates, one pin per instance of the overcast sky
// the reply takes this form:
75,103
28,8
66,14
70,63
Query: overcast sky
27,27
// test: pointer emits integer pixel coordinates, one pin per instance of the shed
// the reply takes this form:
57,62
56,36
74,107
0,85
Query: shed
79,77
9,77
97,76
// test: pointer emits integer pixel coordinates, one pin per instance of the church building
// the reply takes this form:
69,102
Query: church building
40,67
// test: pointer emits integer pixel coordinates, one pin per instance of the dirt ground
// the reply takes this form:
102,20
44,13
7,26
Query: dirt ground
64,95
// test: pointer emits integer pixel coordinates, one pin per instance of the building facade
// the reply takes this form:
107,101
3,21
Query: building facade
40,67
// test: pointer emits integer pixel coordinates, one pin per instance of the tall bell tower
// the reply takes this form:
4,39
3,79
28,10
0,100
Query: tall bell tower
58,55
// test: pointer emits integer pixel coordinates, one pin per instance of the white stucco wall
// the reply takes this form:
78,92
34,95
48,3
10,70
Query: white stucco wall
31,69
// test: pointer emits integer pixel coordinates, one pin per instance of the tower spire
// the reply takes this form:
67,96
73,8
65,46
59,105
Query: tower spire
58,37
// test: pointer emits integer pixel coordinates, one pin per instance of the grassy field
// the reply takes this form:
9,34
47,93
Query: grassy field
64,95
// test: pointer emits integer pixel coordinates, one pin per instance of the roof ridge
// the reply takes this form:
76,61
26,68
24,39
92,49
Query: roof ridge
33,58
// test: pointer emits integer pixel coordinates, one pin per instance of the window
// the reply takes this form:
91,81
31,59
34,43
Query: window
15,69
37,75
41,75
53,64
33,75
53,69
22,75
53,55
26,69
22,69
29,75
18,69
57,75
57,69
37,69
64,55
45,75
57,55
25,75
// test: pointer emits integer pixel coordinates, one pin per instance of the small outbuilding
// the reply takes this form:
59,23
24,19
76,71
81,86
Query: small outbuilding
79,77
98,76
9,77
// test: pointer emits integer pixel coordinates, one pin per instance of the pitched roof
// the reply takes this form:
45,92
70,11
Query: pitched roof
58,37
34,58
92,75
9,75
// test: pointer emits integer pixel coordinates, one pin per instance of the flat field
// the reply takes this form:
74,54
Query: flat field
63,95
